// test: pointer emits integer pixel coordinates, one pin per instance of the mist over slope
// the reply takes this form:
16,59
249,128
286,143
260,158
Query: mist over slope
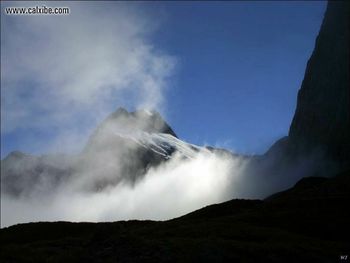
133,166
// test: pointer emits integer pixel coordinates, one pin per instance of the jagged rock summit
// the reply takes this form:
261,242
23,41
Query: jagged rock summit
145,120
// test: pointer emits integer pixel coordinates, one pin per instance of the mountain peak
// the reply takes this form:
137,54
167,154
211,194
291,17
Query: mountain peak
138,120
125,124
139,112
16,155
120,111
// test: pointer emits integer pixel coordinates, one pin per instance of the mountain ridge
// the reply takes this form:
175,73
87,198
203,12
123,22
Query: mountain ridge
133,142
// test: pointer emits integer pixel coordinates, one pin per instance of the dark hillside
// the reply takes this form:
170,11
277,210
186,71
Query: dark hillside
293,226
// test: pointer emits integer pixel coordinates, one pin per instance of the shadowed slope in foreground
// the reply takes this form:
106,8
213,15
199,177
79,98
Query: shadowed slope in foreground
306,223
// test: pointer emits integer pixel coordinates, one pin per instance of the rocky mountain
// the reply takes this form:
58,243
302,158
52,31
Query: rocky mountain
322,116
22,174
126,144
318,143
122,148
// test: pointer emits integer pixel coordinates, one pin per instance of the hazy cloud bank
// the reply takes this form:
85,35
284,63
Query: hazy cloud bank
65,73
172,189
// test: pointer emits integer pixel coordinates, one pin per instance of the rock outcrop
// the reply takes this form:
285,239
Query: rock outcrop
322,117
318,143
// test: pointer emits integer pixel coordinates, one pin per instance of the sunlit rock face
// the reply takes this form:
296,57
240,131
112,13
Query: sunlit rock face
322,115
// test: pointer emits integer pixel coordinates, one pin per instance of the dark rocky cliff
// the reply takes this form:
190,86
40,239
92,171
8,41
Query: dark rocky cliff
322,118
318,143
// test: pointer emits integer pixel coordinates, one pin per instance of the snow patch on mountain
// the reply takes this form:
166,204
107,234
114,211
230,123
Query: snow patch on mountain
163,144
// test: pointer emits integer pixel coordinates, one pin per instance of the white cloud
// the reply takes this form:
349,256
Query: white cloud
66,71
175,188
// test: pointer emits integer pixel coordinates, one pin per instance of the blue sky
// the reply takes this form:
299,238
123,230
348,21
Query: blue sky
241,66
223,73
